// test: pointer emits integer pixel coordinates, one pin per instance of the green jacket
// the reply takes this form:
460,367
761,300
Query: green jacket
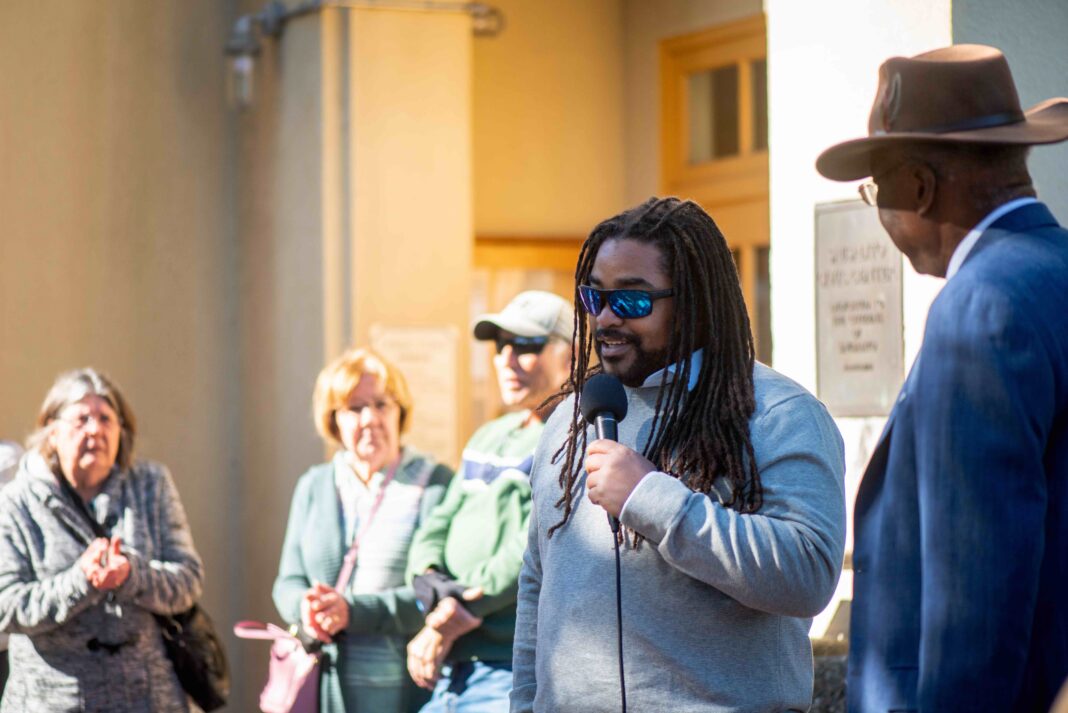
366,670
479,531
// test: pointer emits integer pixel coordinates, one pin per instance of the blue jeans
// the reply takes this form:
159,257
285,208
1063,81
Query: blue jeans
472,687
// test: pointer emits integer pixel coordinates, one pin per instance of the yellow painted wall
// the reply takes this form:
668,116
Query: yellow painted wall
548,118
410,79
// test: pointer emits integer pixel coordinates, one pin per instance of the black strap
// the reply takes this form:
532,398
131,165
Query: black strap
78,504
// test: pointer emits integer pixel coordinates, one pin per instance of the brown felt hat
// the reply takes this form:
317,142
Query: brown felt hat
957,94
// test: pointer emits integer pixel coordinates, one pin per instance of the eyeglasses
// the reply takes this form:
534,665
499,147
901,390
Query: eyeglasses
380,405
625,304
869,193
521,345
869,190
80,422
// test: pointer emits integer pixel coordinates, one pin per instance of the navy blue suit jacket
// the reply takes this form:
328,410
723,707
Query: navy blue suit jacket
960,599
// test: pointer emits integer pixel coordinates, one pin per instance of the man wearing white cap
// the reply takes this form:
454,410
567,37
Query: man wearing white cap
474,540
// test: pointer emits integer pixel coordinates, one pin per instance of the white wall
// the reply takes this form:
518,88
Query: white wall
644,25
823,60
1032,36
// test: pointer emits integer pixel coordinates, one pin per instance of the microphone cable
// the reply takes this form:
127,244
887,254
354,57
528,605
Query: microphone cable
604,404
619,613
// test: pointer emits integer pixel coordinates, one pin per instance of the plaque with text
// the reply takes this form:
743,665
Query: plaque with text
860,345
427,356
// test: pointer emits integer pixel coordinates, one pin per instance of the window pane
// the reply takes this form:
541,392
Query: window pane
763,306
759,74
713,99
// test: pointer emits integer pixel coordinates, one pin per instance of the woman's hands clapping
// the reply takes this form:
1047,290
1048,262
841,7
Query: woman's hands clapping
324,612
104,564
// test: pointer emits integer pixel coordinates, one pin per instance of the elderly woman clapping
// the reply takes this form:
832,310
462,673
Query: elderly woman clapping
92,544
376,491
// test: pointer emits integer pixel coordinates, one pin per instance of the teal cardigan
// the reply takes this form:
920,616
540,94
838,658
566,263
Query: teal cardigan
366,670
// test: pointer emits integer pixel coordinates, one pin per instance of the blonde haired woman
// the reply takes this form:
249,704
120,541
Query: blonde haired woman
379,491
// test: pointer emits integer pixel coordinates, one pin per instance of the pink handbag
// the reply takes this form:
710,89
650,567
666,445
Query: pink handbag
293,674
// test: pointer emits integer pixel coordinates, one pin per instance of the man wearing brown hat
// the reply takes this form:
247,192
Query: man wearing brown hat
961,529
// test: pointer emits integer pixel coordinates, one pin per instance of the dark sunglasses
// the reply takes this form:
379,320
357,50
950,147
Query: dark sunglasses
521,345
625,304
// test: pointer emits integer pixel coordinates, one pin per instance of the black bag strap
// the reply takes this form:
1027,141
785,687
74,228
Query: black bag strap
79,505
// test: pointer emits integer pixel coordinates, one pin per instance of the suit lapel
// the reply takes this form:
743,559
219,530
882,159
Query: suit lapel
875,473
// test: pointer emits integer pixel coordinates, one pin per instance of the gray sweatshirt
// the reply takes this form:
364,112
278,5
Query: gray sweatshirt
716,604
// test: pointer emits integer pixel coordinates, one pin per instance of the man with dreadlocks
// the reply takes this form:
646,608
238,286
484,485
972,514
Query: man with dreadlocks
727,479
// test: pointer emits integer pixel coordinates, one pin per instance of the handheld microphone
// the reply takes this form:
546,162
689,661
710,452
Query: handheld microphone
604,403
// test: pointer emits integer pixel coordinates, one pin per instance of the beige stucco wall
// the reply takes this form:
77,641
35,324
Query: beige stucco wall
118,250
548,118
355,209
116,246
212,261
281,228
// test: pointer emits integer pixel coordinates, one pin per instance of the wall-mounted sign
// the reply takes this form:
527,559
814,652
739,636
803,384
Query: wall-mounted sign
427,358
860,346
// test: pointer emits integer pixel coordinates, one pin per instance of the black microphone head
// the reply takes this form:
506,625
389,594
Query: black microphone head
603,393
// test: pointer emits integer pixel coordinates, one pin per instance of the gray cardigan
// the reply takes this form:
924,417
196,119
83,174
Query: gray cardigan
53,613
716,604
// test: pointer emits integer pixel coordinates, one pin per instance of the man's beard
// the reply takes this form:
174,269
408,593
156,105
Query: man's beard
642,364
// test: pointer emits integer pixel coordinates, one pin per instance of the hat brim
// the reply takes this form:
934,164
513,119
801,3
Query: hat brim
488,325
1044,123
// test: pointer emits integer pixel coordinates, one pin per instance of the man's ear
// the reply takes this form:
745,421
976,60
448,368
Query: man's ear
925,183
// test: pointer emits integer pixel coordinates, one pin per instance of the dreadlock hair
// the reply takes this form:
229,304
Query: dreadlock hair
702,434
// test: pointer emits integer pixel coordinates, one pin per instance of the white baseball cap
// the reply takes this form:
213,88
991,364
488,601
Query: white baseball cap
534,313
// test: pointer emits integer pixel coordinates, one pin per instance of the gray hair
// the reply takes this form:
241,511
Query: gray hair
70,388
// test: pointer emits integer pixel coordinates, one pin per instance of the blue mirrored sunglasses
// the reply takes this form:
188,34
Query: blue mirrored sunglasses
625,304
